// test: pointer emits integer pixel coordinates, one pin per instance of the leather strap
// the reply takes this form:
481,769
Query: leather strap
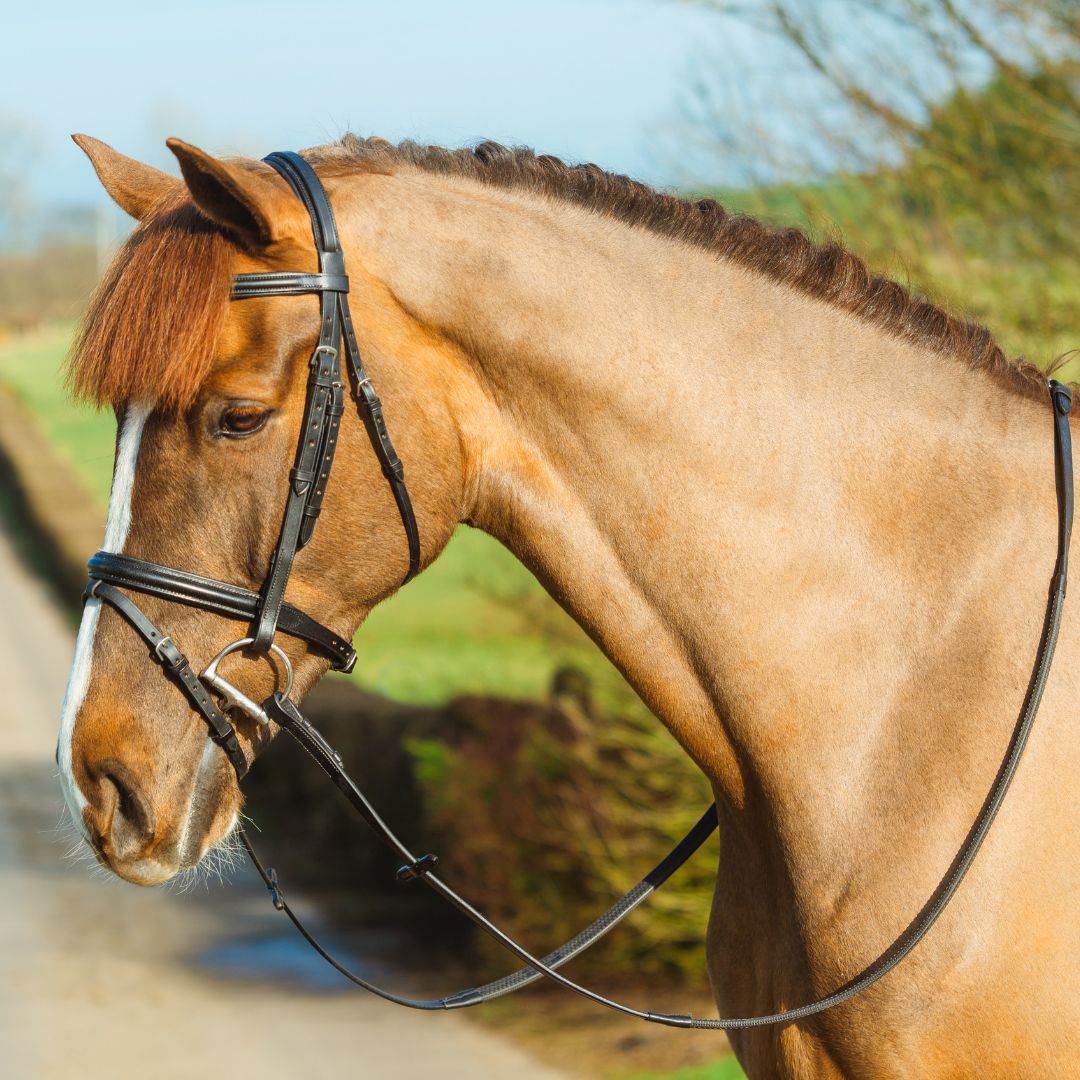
372,415
284,713
175,664
309,189
314,457
220,597
245,286
1061,397
325,399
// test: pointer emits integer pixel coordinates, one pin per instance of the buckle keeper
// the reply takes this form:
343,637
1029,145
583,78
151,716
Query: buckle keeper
413,871
275,889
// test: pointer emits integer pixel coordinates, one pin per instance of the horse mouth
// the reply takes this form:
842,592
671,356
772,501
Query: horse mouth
145,845
162,865
146,871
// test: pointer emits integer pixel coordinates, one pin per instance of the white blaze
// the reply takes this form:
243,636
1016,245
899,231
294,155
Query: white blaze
116,530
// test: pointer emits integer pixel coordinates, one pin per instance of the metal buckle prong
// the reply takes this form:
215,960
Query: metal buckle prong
166,640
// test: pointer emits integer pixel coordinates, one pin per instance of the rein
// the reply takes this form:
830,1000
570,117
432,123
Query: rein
268,613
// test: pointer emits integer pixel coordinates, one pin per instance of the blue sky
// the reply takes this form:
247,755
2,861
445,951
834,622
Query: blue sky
593,80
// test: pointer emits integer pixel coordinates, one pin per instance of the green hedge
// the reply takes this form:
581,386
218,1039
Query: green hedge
542,812
549,810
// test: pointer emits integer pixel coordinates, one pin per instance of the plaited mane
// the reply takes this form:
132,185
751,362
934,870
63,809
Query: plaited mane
827,271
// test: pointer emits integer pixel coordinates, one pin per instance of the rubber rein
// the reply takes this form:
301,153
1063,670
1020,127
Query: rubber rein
269,614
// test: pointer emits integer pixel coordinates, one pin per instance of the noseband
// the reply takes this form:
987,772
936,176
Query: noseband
268,613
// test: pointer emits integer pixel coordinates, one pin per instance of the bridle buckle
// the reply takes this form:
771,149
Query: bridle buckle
160,646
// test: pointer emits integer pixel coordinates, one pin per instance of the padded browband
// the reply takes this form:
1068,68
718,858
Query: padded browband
246,286
220,597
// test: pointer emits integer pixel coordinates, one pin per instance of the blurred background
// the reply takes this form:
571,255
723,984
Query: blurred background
940,139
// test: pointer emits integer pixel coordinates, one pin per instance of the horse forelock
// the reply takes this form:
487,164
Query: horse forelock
150,328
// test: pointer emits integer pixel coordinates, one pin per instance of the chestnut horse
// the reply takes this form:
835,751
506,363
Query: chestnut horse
810,517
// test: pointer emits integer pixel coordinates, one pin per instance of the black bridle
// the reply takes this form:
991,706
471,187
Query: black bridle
268,613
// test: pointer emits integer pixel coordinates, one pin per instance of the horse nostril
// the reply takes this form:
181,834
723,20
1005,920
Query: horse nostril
131,826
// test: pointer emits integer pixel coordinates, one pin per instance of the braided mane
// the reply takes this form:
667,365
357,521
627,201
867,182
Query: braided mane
827,271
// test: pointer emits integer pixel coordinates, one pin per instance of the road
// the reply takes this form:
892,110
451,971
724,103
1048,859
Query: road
103,979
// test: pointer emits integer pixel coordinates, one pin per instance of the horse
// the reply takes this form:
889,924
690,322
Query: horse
808,515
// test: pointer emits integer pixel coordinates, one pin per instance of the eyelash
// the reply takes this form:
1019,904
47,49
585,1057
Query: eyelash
244,414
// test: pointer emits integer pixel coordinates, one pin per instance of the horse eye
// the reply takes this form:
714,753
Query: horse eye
243,420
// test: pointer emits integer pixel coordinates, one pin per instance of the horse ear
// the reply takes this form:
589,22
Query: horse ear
239,197
134,187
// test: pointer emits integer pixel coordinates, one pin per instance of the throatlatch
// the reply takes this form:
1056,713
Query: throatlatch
268,613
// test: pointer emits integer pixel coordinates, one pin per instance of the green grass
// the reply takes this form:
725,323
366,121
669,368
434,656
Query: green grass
31,367
725,1069
464,626
476,622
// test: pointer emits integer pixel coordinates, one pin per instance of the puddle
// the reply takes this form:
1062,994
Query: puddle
275,952
283,957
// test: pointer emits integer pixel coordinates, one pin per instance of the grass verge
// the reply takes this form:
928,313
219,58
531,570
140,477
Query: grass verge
724,1069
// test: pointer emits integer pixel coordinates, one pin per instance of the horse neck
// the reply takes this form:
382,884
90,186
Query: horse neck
810,546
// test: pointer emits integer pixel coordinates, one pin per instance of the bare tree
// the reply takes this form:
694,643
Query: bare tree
943,135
